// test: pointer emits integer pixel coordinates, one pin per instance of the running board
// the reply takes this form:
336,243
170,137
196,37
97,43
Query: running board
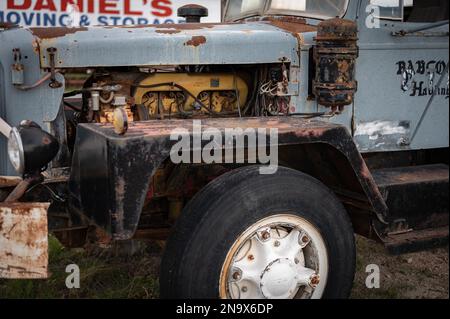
416,240
418,202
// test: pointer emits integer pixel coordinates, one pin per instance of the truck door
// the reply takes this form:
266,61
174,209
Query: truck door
402,71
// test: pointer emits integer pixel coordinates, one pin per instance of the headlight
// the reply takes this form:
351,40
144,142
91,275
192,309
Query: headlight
30,148
15,151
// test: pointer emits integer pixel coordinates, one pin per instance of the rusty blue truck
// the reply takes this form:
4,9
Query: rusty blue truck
354,92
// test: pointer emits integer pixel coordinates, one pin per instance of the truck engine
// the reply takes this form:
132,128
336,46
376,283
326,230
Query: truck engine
182,92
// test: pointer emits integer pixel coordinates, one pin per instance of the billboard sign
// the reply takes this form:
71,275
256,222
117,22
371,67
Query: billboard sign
56,13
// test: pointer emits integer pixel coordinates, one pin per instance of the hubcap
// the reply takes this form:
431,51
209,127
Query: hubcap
279,279
280,257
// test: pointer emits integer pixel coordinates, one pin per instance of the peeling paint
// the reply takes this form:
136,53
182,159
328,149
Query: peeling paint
376,128
23,241
51,33
382,135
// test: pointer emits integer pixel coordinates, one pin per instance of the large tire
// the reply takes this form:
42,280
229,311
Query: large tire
219,214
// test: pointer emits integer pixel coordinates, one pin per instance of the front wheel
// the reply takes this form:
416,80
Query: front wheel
247,235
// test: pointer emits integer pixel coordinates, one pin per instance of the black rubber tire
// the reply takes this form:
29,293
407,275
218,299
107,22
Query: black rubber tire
225,208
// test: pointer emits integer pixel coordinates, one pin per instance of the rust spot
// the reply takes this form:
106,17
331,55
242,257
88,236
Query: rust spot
312,132
293,27
35,45
196,41
192,26
51,33
365,172
46,141
182,26
7,25
338,30
168,31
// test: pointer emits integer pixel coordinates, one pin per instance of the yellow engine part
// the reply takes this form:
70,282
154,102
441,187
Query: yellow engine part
107,115
216,91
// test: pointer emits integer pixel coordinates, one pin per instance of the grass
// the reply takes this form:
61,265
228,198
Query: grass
108,274
102,275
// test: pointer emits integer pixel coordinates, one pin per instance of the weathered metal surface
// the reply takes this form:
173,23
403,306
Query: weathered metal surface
188,44
382,135
417,196
111,174
295,25
9,181
383,61
23,240
51,33
383,95
416,240
335,58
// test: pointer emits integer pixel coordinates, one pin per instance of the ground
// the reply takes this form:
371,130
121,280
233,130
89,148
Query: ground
104,274
410,276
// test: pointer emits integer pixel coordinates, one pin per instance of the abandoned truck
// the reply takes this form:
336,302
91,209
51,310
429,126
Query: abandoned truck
356,93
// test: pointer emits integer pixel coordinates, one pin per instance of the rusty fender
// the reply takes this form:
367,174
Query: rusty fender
111,173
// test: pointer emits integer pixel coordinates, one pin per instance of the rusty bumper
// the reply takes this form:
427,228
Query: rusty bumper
111,174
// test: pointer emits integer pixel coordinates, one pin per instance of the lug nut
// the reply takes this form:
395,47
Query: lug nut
236,275
277,244
251,257
265,235
244,289
314,281
305,239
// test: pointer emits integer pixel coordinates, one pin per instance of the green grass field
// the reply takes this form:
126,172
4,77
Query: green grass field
107,274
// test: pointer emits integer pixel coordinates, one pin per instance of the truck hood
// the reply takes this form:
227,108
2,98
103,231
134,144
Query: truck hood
185,44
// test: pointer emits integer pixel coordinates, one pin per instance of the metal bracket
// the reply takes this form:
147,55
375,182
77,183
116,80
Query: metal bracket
54,83
17,69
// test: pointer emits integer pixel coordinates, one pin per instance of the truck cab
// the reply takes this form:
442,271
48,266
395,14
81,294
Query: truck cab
169,134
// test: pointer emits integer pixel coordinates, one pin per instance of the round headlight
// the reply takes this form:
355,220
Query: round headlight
15,151
30,148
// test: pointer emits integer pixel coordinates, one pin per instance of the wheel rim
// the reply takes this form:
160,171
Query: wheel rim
279,257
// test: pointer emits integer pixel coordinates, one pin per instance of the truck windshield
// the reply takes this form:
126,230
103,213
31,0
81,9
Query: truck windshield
322,9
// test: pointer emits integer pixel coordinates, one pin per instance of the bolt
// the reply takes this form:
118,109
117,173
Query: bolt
236,275
305,239
277,244
404,141
314,281
244,289
296,260
251,257
265,235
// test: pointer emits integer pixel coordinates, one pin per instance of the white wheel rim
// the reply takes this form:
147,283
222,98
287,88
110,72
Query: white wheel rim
279,257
